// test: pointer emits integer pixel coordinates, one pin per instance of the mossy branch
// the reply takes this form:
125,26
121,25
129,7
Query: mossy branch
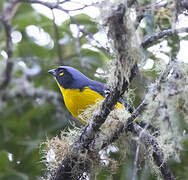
119,36
148,41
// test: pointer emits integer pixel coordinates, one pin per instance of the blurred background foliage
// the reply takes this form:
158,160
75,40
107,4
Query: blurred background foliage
31,107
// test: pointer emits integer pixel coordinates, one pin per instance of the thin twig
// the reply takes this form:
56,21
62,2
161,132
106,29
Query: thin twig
67,11
137,152
58,46
135,169
84,31
53,5
162,78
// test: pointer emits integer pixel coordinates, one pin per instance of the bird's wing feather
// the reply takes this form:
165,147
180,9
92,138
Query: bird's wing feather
98,87
104,90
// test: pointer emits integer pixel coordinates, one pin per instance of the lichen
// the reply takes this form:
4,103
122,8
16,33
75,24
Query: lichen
57,148
167,107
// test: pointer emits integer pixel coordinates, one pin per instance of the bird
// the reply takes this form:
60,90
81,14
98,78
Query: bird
79,92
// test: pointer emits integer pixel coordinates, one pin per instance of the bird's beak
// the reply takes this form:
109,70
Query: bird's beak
53,72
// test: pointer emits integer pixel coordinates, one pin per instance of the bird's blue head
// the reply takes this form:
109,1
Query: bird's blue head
69,78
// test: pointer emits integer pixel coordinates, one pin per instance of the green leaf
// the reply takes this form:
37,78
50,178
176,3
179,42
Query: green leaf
4,160
164,23
14,175
27,48
81,19
185,37
92,28
174,43
21,17
20,21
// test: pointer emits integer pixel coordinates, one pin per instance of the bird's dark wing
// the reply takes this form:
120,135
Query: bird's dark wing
99,87
104,90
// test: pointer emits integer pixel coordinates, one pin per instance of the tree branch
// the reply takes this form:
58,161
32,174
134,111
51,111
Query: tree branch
135,169
158,155
145,138
169,32
5,18
9,65
31,92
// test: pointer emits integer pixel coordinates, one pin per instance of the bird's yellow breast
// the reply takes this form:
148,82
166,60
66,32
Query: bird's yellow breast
78,101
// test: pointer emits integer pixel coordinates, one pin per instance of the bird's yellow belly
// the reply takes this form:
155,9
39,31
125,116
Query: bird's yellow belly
78,101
